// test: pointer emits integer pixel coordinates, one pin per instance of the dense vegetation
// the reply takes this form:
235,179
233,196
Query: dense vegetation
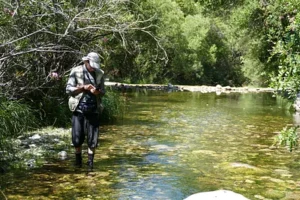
227,42
231,42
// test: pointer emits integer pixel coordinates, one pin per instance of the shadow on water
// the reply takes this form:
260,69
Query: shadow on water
171,145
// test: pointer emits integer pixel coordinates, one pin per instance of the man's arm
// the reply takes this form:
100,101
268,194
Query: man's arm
99,90
102,89
73,88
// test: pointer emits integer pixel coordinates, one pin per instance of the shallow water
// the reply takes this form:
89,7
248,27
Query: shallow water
171,145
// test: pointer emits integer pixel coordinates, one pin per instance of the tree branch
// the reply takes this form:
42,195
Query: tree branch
21,38
39,49
3,195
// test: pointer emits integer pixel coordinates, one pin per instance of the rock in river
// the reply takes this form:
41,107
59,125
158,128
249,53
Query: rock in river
217,195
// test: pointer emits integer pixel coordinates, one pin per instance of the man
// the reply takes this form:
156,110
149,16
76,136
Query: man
86,87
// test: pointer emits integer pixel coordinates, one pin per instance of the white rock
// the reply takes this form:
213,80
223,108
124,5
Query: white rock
35,137
56,140
32,146
30,163
63,155
217,195
218,87
242,165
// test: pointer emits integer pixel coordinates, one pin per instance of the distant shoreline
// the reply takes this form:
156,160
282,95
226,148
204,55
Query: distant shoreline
189,88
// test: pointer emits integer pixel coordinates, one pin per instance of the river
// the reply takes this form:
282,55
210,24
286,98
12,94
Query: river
172,145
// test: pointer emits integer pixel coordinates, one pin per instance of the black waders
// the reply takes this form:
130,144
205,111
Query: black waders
78,160
90,162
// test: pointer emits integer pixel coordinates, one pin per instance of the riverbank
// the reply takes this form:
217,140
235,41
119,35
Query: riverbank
166,146
188,88
36,148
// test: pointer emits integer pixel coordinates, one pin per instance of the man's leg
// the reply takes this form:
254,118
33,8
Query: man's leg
78,157
92,137
77,136
91,154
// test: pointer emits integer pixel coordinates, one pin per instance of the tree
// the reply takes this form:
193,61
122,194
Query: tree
42,40
272,39
283,27
221,7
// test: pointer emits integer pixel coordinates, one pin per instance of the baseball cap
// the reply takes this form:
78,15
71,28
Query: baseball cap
93,59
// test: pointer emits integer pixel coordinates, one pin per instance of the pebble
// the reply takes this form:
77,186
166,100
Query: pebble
63,155
35,137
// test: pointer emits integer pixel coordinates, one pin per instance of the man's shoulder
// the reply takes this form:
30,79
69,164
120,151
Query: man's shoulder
99,72
77,68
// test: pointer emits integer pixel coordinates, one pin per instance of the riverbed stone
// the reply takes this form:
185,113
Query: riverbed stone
242,165
296,104
35,137
31,163
63,155
292,196
217,195
207,152
197,88
260,197
274,194
249,181
241,168
283,172
32,146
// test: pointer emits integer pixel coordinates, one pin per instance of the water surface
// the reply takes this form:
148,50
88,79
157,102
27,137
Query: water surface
171,145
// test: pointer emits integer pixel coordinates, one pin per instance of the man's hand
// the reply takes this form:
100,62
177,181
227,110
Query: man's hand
89,87
95,91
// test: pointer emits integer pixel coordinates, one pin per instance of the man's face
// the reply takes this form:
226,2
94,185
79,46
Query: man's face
88,66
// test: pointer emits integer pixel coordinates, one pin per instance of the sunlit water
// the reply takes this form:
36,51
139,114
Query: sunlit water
171,145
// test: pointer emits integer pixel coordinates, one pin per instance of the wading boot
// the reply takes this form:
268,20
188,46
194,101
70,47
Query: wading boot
90,162
78,160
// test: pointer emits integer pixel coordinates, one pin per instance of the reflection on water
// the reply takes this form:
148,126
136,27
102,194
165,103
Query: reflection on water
171,145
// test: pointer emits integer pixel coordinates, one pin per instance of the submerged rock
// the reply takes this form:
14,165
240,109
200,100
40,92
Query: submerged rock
30,163
217,195
242,169
63,155
242,165
296,104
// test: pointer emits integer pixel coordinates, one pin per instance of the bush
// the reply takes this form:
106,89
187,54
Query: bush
288,138
15,119
114,106
54,111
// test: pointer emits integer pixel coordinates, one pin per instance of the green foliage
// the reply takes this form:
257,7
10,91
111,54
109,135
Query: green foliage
114,106
272,41
220,7
288,138
198,48
39,38
284,34
54,111
245,34
227,42
168,18
195,29
53,108
188,7
15,119
139,41
255,74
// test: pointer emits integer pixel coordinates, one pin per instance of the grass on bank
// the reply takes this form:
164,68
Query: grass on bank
18,119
